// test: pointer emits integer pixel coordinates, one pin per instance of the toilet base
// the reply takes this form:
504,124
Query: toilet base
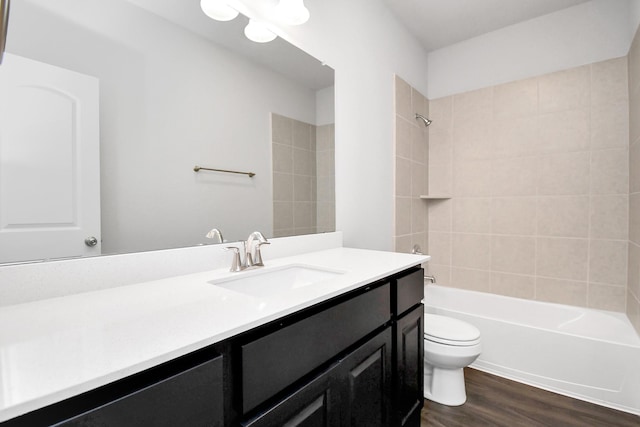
445,386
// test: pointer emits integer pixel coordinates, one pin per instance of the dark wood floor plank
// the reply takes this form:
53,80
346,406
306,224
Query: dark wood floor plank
497,402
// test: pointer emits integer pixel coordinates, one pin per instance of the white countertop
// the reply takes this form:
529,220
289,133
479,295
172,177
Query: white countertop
60,347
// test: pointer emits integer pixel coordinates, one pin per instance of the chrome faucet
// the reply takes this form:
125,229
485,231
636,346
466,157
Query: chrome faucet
236,262
418,251
252,256
215,234
256,258
431,279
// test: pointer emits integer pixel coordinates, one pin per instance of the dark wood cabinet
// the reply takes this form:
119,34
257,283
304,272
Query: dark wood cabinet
278,359
366,383
190,398
316,404
407,291
186,391
354,360
352,392
409,375
408,312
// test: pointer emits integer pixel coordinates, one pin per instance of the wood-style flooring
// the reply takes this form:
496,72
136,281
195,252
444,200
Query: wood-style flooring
496,402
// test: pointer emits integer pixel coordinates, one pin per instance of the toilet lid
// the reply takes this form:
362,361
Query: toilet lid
448,330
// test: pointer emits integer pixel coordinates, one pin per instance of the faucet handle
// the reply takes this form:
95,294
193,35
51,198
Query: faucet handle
236,263
257,259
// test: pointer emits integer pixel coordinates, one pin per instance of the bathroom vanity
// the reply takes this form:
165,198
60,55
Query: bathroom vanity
347,350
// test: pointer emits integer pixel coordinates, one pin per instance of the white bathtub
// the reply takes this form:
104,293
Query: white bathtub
588,354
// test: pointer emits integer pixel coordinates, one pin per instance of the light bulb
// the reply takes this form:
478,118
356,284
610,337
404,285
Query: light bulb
218,10
258,32
292,12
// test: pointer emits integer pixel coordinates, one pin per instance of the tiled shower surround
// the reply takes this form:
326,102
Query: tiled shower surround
411,157
633,289
537,178
537,171
303,177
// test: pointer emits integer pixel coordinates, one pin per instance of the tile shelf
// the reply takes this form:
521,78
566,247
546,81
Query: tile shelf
434,197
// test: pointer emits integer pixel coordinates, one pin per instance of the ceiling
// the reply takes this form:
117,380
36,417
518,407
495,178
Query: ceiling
440,23
435,23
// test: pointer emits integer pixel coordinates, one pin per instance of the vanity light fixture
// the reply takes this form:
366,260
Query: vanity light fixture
292,12
218,10
258,32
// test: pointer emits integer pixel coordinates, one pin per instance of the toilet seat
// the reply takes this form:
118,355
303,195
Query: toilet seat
450,331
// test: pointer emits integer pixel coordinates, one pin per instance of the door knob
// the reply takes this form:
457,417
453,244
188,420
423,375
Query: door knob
91,241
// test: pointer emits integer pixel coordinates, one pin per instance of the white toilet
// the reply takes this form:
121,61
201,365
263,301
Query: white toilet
449,345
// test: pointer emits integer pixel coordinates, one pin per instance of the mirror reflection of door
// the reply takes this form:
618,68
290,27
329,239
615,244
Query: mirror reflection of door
49,162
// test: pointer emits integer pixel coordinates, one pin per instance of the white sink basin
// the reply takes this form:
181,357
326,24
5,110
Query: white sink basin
265,283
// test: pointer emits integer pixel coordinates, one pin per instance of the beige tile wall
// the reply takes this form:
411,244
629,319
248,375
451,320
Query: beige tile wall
538,175
325,170
303,177
411,158
633,287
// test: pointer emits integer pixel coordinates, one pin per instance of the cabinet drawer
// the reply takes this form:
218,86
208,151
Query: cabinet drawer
191,398
271,363
409,291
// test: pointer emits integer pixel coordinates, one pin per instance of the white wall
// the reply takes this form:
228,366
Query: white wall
154,133
365,45
583,34
325,106
634,18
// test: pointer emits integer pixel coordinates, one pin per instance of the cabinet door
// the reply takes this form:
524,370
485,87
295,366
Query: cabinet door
190,398
316,404
366,383
409,376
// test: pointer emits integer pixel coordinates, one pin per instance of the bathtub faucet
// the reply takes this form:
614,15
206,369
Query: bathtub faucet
418,251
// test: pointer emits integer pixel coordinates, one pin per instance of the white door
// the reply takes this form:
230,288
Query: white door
49,161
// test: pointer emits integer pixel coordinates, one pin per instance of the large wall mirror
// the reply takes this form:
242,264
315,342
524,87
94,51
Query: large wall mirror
156,88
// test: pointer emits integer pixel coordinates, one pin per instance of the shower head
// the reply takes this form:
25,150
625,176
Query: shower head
426,121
